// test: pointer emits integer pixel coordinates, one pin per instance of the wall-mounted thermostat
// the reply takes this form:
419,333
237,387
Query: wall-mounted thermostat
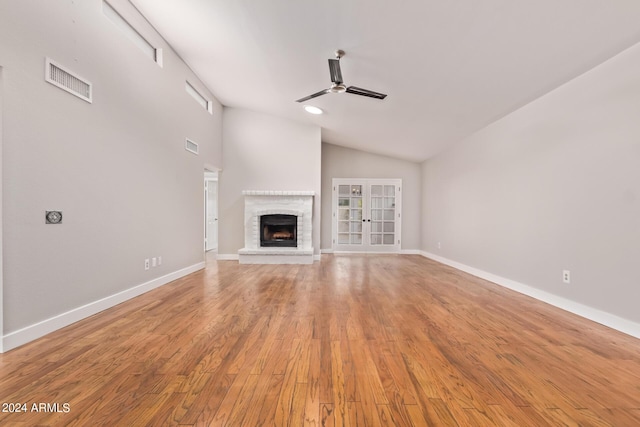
53,217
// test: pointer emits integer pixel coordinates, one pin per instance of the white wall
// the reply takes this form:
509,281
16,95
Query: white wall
263,152
342,162
117,168
1,221
553,186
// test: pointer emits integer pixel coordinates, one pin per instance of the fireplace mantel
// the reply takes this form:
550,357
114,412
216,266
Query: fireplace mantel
270,202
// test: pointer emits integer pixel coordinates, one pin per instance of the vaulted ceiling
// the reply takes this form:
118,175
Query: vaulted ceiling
449,67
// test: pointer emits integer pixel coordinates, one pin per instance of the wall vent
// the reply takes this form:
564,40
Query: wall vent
67,80
191,146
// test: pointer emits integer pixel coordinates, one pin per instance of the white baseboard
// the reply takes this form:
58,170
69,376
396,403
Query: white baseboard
618,323
367,252
410,252
236,257
40,329
401,252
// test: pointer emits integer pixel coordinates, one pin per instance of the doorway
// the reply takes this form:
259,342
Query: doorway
210,211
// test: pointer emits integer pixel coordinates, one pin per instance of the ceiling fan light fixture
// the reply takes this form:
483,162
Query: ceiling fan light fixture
337,84
312,110
338,88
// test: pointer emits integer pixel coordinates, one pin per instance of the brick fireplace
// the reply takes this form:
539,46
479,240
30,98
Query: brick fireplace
277,227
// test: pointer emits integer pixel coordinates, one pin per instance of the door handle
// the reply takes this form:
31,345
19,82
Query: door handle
368,220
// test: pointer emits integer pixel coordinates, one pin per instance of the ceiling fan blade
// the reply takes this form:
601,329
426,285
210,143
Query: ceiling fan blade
364,92
334,70
315,95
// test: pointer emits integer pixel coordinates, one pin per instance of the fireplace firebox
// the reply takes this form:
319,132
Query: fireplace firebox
279,230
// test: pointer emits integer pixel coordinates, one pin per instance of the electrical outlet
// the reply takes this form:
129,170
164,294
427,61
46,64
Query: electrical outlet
146,264
566,276
159,260
154,262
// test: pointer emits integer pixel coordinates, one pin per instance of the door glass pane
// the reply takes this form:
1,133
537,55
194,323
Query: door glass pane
389,202
376,203
389,214
376,239
343,227
389,227
376,227
356,227
344,190
356,239
376,190
388,239
389,190
343,239
356,190
343,201
356,202
343,214
376,215
356,214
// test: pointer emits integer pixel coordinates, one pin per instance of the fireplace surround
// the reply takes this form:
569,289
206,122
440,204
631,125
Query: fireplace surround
277,227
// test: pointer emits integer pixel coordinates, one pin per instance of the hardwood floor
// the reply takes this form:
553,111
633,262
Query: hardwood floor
351,341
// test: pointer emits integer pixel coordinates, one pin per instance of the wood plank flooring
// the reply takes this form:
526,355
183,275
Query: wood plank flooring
357,340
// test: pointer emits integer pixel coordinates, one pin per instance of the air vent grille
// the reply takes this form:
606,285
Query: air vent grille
66,80
191,146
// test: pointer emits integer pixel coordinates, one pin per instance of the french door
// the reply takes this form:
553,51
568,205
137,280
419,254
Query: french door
366,215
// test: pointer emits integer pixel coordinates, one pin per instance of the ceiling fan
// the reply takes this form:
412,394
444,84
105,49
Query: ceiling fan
338,85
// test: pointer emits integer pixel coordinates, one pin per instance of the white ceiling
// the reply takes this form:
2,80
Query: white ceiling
449,67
